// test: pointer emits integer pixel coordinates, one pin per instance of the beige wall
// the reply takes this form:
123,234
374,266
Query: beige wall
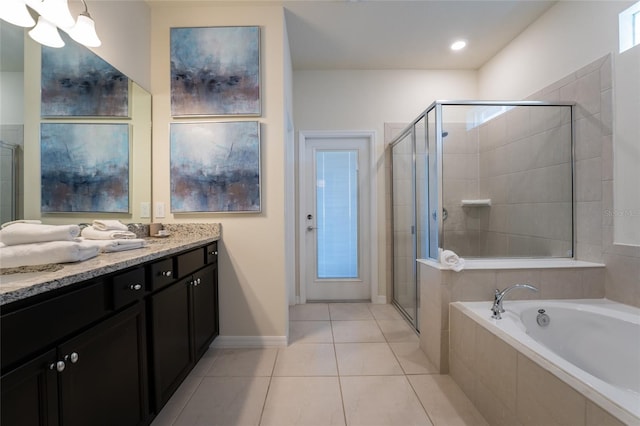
253,294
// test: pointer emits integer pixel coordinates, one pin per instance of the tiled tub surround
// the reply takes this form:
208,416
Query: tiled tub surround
555,278
183,236
512,384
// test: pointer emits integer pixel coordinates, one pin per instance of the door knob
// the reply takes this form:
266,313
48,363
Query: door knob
311,228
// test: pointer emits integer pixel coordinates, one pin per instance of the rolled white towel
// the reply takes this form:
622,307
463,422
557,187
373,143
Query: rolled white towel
48,252
452,260
32,221
109,246
26,233
91,233
109,225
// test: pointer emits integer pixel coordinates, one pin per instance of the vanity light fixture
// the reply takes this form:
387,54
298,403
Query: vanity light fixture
54,15
458,45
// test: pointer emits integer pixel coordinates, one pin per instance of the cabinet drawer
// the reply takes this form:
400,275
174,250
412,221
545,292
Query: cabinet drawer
212,253
128,287
162,273
190,262
34,328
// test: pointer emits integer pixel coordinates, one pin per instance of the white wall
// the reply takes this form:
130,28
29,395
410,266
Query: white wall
569,36
252,277
365,100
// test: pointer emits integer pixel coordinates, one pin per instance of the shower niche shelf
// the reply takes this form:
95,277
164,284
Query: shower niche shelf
484,202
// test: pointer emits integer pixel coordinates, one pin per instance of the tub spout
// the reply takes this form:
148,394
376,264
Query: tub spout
497,308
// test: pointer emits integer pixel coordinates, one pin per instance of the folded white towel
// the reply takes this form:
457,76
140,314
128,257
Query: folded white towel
4,225
452,260
109,225
91,233
26,233
48,252
108,246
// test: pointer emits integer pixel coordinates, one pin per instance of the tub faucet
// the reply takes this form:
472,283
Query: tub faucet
497,308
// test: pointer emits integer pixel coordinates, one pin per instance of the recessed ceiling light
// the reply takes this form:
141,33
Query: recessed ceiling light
458,45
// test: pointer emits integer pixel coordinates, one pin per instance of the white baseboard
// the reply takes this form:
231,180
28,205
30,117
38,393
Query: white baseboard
233,342
380,300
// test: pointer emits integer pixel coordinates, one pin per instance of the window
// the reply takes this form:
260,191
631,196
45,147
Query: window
629,24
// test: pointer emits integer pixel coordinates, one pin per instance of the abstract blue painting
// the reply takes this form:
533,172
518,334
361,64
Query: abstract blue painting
215,71
84,167
215,167
78,83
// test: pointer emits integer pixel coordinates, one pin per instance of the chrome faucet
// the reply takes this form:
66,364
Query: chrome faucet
497,308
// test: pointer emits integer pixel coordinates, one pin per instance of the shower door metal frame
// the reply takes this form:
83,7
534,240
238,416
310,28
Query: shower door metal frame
415,319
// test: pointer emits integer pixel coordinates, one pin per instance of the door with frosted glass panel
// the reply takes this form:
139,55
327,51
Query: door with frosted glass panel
336,219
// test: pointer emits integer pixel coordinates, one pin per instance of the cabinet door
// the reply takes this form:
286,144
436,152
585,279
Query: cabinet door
205,315
30,394
170,333
105,379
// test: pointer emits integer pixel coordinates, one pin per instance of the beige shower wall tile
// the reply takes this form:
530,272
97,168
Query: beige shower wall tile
622,279
496,367
493,408
606,111
507,278
464,376
589,217
596,416
471,285
589,179
561,284
543,399
462,336
588,133
588,93
593,283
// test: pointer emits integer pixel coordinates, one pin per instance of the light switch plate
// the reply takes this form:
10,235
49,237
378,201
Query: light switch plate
159,210
145,209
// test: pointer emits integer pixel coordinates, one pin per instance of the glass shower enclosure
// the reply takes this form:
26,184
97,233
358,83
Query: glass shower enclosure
483,179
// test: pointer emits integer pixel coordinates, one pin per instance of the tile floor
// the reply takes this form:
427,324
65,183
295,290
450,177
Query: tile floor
346,364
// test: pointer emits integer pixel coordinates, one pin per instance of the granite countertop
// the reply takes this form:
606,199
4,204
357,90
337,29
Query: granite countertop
19,286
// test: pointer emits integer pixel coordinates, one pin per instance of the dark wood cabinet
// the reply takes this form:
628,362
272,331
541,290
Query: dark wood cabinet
97,378
30,393
111,350
105,378
184,321
205,309
169,331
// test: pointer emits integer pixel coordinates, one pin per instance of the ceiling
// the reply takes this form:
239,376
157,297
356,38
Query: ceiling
390,34
403,34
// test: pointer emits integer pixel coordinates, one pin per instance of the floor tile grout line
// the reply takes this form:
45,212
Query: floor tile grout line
266,395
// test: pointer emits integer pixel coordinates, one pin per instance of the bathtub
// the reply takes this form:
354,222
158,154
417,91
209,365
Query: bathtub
595,343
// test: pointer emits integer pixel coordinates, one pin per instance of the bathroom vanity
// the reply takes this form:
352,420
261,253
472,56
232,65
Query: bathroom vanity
107,341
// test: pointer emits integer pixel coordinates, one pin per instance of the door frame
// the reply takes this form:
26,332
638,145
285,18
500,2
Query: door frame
372,207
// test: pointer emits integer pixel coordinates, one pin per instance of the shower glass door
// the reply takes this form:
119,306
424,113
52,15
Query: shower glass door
405,294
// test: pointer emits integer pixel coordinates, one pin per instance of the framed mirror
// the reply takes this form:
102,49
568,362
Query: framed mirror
21,134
